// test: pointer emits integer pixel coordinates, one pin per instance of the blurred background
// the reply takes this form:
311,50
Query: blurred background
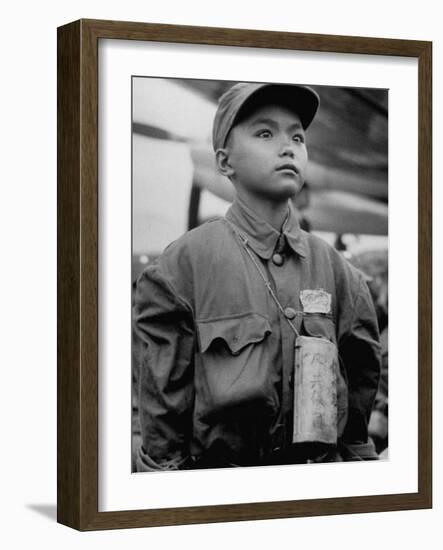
345,199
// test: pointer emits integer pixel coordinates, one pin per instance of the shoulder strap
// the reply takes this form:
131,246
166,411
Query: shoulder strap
244,242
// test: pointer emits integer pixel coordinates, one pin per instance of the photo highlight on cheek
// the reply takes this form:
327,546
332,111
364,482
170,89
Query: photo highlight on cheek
259,274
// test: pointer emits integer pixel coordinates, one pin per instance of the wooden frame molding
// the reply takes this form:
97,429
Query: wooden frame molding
77,172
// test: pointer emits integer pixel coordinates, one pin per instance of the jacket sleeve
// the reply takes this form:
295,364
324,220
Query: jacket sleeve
164,328
360,352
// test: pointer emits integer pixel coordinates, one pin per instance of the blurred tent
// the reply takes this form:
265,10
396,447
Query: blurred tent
347,189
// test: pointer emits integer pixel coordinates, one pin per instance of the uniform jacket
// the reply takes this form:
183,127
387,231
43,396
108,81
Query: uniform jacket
217,354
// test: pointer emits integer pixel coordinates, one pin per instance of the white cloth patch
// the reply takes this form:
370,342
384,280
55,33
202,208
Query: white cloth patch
315,301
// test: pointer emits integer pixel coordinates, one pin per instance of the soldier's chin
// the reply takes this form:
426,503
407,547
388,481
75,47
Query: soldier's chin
287,192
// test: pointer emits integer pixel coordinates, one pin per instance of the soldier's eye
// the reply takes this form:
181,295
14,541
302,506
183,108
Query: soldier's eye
264,133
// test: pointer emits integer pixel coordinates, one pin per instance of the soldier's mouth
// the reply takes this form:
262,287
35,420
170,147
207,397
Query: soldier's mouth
287,168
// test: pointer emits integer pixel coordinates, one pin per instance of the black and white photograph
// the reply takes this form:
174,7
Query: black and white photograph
259,274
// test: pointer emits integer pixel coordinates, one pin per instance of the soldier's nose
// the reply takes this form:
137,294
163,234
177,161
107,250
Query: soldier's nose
287,151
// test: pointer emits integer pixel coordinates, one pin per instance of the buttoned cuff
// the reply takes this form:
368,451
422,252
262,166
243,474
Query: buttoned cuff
146,464
358,451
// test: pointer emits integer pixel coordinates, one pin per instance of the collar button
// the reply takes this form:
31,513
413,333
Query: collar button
277,259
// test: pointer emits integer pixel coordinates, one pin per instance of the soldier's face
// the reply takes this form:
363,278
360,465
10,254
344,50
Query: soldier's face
267,153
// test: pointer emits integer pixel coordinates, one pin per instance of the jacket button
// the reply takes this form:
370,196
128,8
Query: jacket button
290,313
277,259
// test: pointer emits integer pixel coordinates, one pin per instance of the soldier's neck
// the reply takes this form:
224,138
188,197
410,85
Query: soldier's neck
272,212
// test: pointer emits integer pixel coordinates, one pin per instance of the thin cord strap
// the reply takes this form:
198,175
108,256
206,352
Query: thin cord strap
246,246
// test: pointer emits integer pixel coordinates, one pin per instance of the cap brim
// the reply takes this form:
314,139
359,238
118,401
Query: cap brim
302,99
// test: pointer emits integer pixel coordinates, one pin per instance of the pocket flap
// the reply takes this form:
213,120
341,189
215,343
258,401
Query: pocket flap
319,325
237,332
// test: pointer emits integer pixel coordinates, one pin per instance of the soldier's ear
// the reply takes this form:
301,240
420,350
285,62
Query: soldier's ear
223,163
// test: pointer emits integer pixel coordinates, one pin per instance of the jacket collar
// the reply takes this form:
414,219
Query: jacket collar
262,237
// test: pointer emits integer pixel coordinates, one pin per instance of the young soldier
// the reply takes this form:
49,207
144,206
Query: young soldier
225,312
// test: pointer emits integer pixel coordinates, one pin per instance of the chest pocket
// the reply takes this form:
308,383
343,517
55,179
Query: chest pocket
319,325
235,370
236,333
